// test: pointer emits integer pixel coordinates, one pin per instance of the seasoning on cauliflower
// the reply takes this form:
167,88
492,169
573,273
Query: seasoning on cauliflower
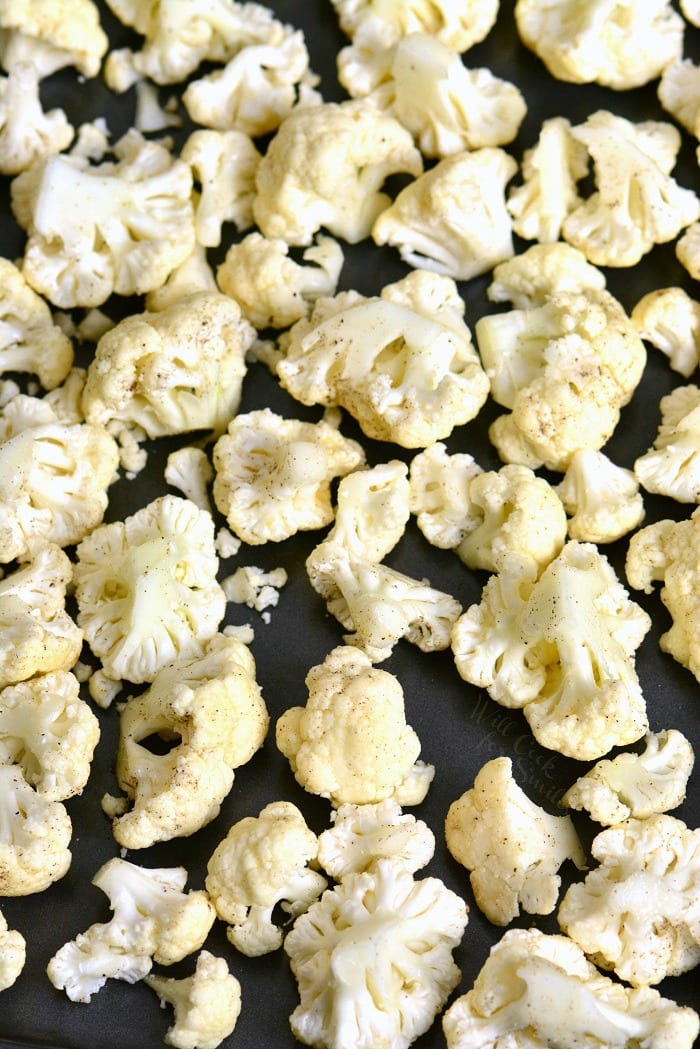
153,919
146,588
528,280
670,320
207,1004
29,339
562,648
52,35
637,912
453,219
539,990
223,164
672,466
351,743
602,498
373,959
439,495
402,364
362,835
13,954
456,25
35,834
27,133
325,166
263,861
120,226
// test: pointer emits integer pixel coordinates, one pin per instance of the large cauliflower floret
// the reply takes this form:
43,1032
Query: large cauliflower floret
326,166
351,743
455,23
35,835
530,279
263,861
537,990
207,1004
511,847
672,466
52,34
223,164
173,371
13,954
403,364
439,495
29,339
120,226
154,919
602,498
562,647
362,835
212,710
146,588
27,133
363,949
273,475
453,219
619,45
638,912
670,320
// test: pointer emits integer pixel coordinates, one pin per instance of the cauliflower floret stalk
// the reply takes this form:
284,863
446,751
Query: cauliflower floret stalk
13,954
351,743
361,952
117,227
35,835
672,466
602,498
562,648
263,861
52,35
223,164
210,714
530,279
670,320
153,919
27,134
29,339
537,990
363,834
511,847
207,1004
439,495
638,912
456,25
146,588
402,364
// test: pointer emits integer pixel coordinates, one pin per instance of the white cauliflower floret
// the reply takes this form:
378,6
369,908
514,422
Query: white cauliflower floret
603,499
223,165
439,495
119,226
29,339
688,250
27,133
207,1004
210,708
562,647
52,34
371,513
263,861
672,466
154,919
638,912
273,475
146,588
512,848
13,954
621,45
402,364
639,785
537,990
35,835
362,835
173,371
351,743
272,289
455,23
679,93
691,11
373,959
191,276
453,219
325,166
528,280
188,469
670,320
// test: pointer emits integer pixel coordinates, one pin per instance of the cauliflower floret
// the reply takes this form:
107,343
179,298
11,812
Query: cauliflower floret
119,226
562,647
351,743
325,167
207,1004
458,24
402,364
670,320
188,469
691,11
537,990
52,34
29,339
13,954
173,371
35,835
688,250
639,785
602,498
511,847
154,919
27,133
273,475
638,912
211,711
191,276
528,280
373,959
223,164
272,289
621,45
453,219
146,588
439,495
362,835
679,93
256,588
263,861
672,466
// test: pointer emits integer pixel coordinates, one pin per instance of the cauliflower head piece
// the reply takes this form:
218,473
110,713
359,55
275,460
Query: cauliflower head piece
52,34
207,1004
670,320
439,495
603,499
29,339
27,133
35,834
13,954
672,466
457,25
361,835
543,270
223,165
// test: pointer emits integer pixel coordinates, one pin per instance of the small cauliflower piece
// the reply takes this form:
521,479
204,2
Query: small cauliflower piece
688,250
29,339
543,270
153,919
325,167
362,835
351,743
602,499
146,588
457,25
679,93
537,990
207,1004
27,133
52,35
453,219
263,861
637,912
512,848
273,475
639,785
439,495
188,469
672,466
373,959
13,954
223,164
35,835
371,513
670,320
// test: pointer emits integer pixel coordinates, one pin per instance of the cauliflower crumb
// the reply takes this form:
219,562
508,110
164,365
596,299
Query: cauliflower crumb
254,587
227,545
